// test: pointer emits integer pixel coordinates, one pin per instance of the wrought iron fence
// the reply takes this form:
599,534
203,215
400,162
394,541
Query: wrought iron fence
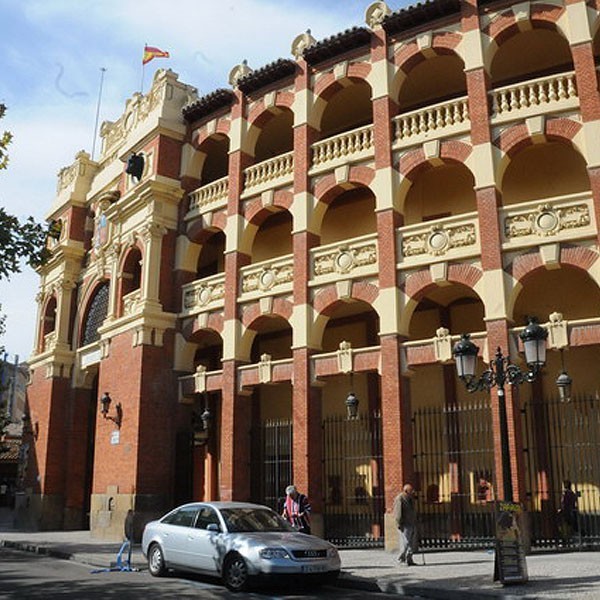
353,480
562,441
276,462
454,463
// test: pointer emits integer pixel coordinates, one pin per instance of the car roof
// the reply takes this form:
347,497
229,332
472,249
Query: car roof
219,504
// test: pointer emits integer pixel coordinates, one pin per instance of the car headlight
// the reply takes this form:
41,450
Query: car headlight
332,553
273,553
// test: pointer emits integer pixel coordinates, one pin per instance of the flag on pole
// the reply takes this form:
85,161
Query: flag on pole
151,52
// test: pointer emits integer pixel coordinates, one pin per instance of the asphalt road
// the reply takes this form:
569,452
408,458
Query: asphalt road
27,576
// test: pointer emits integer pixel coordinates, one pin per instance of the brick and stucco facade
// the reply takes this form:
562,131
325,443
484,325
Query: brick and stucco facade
337,219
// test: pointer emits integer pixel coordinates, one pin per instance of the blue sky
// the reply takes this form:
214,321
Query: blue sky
52,52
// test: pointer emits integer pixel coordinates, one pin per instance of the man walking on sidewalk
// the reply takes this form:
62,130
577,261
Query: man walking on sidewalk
405,514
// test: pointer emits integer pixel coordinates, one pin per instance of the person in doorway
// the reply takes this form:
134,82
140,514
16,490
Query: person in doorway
296,509
405,514
568,511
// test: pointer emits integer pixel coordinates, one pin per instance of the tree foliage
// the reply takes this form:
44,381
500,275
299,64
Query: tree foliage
18,240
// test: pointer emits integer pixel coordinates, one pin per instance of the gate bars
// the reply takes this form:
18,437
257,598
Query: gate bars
276,462
562,441
454,465
353,481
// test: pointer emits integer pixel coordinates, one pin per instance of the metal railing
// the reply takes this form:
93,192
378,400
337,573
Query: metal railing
353,479
454,461
562,441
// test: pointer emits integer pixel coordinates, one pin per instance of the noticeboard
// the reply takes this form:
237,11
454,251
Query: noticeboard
509,565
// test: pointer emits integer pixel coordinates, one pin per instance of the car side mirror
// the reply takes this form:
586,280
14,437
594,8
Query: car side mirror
213,527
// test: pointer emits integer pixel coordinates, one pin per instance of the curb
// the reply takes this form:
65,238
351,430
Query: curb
43,550
345,580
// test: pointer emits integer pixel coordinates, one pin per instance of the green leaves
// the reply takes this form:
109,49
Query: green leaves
18,240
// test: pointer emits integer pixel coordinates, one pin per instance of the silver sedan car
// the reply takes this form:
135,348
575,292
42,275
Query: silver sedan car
237,541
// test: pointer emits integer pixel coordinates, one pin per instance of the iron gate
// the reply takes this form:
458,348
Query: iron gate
275,462
454,463
562,441
353,480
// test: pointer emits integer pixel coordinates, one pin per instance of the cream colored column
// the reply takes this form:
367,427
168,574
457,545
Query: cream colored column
152,234
63,312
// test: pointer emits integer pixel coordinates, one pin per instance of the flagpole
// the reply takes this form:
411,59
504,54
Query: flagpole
143,67
103,70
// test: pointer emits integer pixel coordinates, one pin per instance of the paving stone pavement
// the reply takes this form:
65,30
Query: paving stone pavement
443,575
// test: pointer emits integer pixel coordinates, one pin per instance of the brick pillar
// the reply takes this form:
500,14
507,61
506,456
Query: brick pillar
396,413
82,420
235,438
587,81
586,77
44,480
306,399
307,449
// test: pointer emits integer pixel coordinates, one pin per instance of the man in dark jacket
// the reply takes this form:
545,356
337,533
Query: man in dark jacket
296,509
405,515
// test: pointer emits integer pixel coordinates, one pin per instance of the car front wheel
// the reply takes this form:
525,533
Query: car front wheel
235,573
156,561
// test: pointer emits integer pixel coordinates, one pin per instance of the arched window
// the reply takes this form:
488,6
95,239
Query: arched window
97,311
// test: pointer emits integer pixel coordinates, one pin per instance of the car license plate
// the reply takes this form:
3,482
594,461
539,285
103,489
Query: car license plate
313,568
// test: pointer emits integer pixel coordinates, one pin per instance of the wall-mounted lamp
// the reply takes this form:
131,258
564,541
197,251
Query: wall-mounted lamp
352,401
202,423
105,401
563,381
29,428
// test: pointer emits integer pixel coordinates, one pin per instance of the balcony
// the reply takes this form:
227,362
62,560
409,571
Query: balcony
534,97
451,238
209,197
267,278
132,302
203,295
436,121
350,146
550,220
346,259
268,174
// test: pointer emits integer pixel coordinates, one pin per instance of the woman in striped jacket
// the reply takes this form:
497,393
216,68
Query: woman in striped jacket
296,509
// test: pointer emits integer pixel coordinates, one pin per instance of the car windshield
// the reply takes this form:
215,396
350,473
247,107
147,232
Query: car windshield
240,520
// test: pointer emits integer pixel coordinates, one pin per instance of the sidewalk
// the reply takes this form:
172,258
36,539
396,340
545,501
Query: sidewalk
446,575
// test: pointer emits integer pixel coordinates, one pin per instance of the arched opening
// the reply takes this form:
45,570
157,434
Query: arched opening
216,161
349,215
348,109
530,54
49,320
212,256
273,237
442,191
436,79
95,315
544,171
276,136
273,337
132,271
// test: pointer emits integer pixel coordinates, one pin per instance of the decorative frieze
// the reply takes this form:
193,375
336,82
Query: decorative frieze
203,293
439,240
267,278
546,220
345,259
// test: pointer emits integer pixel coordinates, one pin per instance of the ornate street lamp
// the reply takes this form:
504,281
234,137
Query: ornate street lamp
500,372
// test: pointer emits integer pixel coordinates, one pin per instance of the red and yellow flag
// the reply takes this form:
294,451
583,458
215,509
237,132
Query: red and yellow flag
151,52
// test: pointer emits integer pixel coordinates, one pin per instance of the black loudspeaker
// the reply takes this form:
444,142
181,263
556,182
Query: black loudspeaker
135,166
